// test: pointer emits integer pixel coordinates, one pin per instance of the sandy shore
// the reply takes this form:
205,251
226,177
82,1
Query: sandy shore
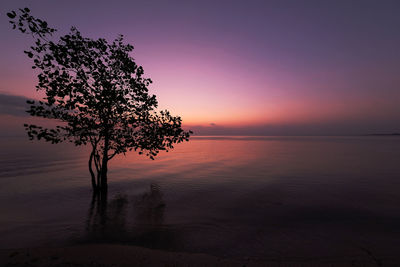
119,255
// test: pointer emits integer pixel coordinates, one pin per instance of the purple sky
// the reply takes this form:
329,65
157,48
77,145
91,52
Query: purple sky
242,67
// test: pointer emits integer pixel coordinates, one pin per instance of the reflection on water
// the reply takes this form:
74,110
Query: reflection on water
135,220
149,208
106,221
268,197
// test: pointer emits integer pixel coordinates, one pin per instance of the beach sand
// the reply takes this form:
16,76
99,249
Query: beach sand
106,255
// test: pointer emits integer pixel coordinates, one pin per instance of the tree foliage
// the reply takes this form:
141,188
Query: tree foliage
98,93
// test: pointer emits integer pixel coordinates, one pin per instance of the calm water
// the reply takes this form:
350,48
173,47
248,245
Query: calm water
261,197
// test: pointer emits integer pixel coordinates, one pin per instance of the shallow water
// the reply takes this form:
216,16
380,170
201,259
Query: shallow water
260,197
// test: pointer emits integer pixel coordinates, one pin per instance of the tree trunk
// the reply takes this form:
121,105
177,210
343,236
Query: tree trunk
103,175
94,186
104,169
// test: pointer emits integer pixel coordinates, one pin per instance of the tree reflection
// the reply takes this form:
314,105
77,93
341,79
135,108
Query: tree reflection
108,221
149,208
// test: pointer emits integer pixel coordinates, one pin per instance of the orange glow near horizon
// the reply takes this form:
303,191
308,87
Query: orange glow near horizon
236,75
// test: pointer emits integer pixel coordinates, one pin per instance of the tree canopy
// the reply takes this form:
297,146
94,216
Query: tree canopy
98,93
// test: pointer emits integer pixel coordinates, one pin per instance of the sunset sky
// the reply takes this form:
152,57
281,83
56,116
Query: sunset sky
240,67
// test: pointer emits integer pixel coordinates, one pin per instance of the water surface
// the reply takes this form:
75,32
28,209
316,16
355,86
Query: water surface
260,197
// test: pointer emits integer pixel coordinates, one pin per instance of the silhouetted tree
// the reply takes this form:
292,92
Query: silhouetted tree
98,92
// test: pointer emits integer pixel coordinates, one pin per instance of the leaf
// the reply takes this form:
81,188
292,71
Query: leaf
30,54
11,15
26,9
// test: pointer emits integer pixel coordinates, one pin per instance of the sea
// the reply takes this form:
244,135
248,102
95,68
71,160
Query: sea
259,197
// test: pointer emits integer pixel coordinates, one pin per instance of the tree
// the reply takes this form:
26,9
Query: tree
98,94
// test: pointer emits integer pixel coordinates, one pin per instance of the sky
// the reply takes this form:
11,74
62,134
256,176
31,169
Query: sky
238,67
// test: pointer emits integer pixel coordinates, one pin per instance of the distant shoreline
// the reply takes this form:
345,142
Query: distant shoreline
299,135
239,137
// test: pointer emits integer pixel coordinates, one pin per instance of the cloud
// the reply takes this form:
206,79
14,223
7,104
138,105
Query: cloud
13,105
